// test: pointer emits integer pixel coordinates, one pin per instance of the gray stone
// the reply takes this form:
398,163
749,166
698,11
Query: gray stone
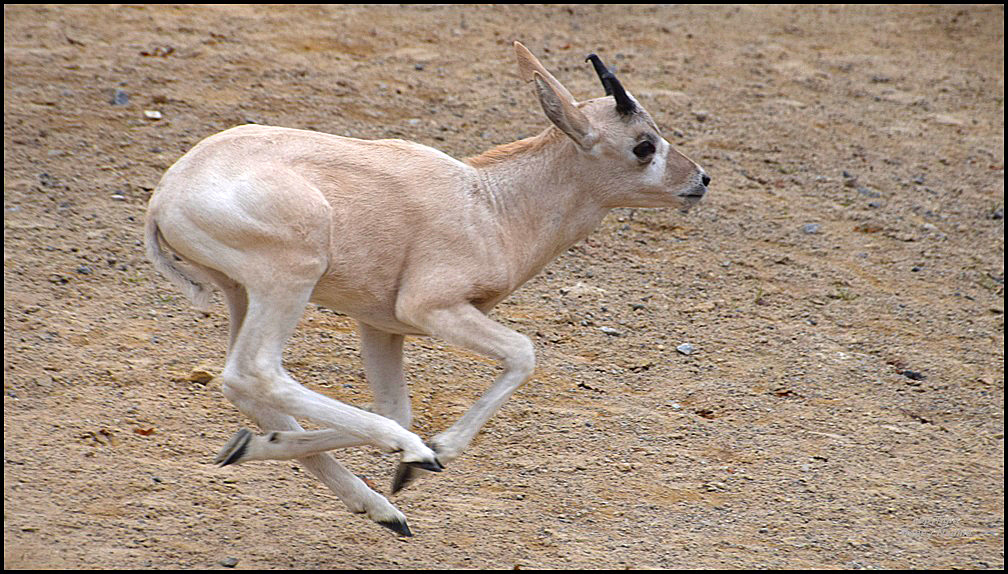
119,98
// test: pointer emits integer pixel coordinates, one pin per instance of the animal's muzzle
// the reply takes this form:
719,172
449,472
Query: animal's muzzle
698,190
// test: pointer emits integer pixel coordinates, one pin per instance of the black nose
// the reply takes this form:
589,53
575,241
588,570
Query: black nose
705,179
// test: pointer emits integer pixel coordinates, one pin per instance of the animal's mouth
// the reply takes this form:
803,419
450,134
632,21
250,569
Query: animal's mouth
691,197
694,193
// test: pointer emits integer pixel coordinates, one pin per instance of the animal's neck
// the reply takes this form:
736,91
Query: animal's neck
541,197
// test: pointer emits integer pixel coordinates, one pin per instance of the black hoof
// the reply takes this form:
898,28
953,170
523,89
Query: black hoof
397,526
234,450
407,472
404,475
435,466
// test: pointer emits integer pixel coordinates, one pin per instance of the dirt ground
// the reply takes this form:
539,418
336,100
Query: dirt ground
842,287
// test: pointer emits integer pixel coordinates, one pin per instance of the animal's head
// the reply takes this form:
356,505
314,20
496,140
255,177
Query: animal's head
634,164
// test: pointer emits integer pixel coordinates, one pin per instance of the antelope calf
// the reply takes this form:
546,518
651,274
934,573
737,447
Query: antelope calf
404,239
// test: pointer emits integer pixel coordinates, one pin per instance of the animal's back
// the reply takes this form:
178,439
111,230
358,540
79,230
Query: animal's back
311,204
342,168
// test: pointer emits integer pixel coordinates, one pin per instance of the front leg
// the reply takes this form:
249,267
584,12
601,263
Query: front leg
383,365
468,327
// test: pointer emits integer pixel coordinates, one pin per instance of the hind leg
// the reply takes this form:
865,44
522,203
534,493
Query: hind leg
254,368
383,363
255,381
235,297
351,490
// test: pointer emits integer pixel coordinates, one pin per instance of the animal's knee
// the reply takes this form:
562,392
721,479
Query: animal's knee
243,386
521,357
230,391
232,386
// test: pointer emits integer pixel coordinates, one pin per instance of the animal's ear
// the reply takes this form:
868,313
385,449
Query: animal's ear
558,103
563,112
529,65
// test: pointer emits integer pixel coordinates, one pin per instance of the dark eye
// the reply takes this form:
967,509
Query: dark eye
644,149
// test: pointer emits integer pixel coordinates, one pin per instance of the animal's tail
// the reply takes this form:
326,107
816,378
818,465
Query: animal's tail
191,280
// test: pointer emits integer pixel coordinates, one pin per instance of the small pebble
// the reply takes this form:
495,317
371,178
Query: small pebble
119,98
610,331
685,349
811,228
229,562
200,375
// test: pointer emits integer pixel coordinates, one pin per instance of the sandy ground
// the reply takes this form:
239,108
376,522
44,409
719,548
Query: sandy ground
842,287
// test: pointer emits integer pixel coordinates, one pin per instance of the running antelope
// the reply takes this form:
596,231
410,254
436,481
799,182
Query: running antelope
407,241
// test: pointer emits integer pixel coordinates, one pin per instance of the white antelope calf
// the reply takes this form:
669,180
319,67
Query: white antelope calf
404,239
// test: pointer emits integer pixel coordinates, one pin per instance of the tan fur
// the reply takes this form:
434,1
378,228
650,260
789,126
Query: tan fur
509,151
403,238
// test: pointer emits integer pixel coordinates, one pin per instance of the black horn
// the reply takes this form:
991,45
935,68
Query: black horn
613,87
603,73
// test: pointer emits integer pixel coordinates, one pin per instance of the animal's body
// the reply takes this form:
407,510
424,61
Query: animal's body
404,239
